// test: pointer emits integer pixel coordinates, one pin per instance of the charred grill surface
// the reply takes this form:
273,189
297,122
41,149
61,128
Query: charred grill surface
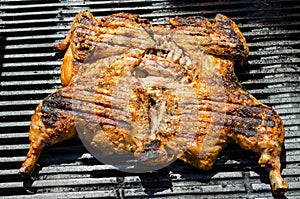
30,70
145,85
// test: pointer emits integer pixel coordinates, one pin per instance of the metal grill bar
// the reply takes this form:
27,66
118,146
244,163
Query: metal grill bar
30,68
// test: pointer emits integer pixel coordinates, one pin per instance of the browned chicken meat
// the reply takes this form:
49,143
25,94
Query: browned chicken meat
159,92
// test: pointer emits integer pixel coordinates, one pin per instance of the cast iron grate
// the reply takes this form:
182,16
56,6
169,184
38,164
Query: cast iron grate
29,70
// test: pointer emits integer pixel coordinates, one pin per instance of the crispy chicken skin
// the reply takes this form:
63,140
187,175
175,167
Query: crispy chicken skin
176,77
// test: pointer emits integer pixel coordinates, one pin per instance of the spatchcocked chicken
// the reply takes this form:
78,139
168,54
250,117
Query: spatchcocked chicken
158,92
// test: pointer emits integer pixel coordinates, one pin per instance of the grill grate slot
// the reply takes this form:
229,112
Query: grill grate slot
30,68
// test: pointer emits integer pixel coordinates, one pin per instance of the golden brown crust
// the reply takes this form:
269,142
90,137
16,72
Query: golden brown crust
67,68
222,37
175,78
41,136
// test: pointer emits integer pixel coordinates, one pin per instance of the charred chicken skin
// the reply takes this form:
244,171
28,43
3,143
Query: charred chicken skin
160,92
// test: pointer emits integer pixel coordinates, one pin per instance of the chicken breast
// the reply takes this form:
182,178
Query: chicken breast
158,93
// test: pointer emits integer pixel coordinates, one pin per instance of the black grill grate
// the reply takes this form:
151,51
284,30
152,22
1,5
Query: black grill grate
29,70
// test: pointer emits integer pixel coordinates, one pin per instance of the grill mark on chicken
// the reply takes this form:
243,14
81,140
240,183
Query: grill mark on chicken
158,92
241,118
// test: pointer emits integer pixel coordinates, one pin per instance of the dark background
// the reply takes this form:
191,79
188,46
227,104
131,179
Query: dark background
30,67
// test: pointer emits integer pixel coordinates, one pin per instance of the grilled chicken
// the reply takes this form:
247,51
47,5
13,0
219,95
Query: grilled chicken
158,92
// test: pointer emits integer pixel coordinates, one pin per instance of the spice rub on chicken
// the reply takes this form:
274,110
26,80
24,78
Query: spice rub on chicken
160,92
